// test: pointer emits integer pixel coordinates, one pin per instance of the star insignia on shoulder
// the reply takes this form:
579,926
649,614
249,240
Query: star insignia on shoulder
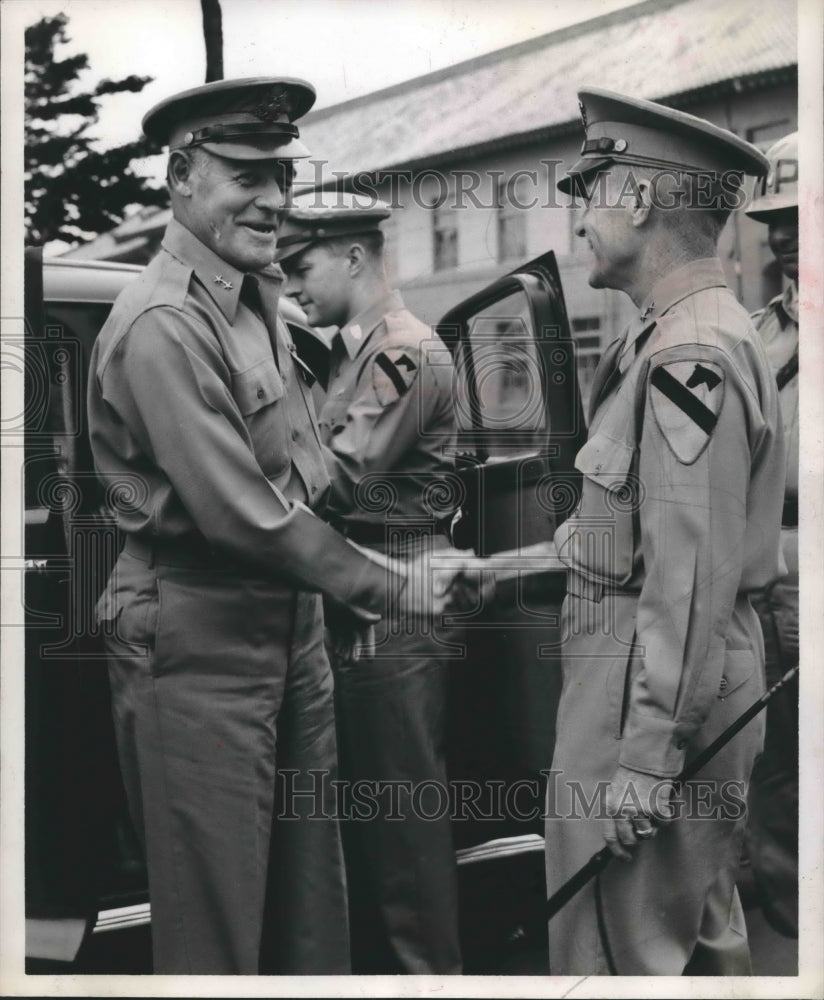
220,280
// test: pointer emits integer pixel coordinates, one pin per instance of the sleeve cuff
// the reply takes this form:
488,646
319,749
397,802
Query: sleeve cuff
653,746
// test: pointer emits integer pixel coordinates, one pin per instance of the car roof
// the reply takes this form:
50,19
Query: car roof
85,280
98,281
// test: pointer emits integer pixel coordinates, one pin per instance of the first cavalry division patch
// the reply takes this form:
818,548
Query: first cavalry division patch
393,372
686,400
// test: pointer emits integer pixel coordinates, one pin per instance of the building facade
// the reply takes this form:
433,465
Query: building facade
469,156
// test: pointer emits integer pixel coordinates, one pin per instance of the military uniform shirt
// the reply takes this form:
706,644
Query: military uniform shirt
681,499
195,407
777,326
388,423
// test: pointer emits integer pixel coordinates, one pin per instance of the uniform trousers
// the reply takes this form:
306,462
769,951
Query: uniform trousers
772,829
674,909
400,859
215,677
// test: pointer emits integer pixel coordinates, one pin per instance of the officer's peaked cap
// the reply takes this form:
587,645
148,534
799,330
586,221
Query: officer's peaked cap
325,215
245,119
623,129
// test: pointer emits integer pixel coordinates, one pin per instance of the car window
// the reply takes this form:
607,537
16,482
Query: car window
58,363
506,397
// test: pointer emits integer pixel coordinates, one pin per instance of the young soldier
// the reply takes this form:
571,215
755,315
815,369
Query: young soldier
387,429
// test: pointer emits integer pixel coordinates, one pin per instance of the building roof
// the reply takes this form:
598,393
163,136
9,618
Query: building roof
660,50
676,51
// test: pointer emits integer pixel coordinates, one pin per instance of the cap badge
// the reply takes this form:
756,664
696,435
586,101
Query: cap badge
270,111
220,280
583,111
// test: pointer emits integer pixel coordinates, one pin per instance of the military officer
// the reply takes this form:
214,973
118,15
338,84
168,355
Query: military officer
388,433
212,616
772,829
678,523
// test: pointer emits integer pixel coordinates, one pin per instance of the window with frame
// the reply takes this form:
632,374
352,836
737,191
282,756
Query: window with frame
444,232
766,134
511,220
508,376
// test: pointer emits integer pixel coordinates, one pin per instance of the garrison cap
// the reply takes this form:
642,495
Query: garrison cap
245,119
778,191
623,129
326,215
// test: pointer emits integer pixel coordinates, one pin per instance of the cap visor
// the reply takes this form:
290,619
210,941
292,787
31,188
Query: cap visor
284,253
260,149
575,181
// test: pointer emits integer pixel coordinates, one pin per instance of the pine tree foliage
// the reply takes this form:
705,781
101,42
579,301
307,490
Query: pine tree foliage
74,191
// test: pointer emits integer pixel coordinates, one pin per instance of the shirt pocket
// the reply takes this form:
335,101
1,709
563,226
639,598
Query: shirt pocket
739,667
258,386
601,539
260,393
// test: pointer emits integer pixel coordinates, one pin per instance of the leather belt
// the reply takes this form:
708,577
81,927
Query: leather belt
578,585
186,553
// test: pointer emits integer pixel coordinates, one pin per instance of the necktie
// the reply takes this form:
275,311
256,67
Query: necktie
264,305
250,294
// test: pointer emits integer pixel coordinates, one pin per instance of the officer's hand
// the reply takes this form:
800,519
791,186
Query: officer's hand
454,584
637,804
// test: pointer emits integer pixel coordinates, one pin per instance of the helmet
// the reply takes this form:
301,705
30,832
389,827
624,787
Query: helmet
779,189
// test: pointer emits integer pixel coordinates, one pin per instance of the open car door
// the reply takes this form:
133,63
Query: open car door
520,425
81,855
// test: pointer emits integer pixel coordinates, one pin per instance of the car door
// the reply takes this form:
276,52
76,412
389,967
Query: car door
520,425
81,855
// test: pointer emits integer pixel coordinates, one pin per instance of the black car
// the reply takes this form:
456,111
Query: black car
520,426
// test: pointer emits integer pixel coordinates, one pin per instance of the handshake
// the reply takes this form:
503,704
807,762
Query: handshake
446,580
434,583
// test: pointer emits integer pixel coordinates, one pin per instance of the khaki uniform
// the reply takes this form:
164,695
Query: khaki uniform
213,619
772,830
678,523
388,430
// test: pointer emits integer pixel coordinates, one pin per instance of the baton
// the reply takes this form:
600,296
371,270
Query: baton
598,862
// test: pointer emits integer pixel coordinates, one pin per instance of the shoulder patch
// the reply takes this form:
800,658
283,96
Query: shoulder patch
686,399
394,370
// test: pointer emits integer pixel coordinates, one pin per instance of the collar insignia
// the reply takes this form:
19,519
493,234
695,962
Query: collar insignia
220,280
